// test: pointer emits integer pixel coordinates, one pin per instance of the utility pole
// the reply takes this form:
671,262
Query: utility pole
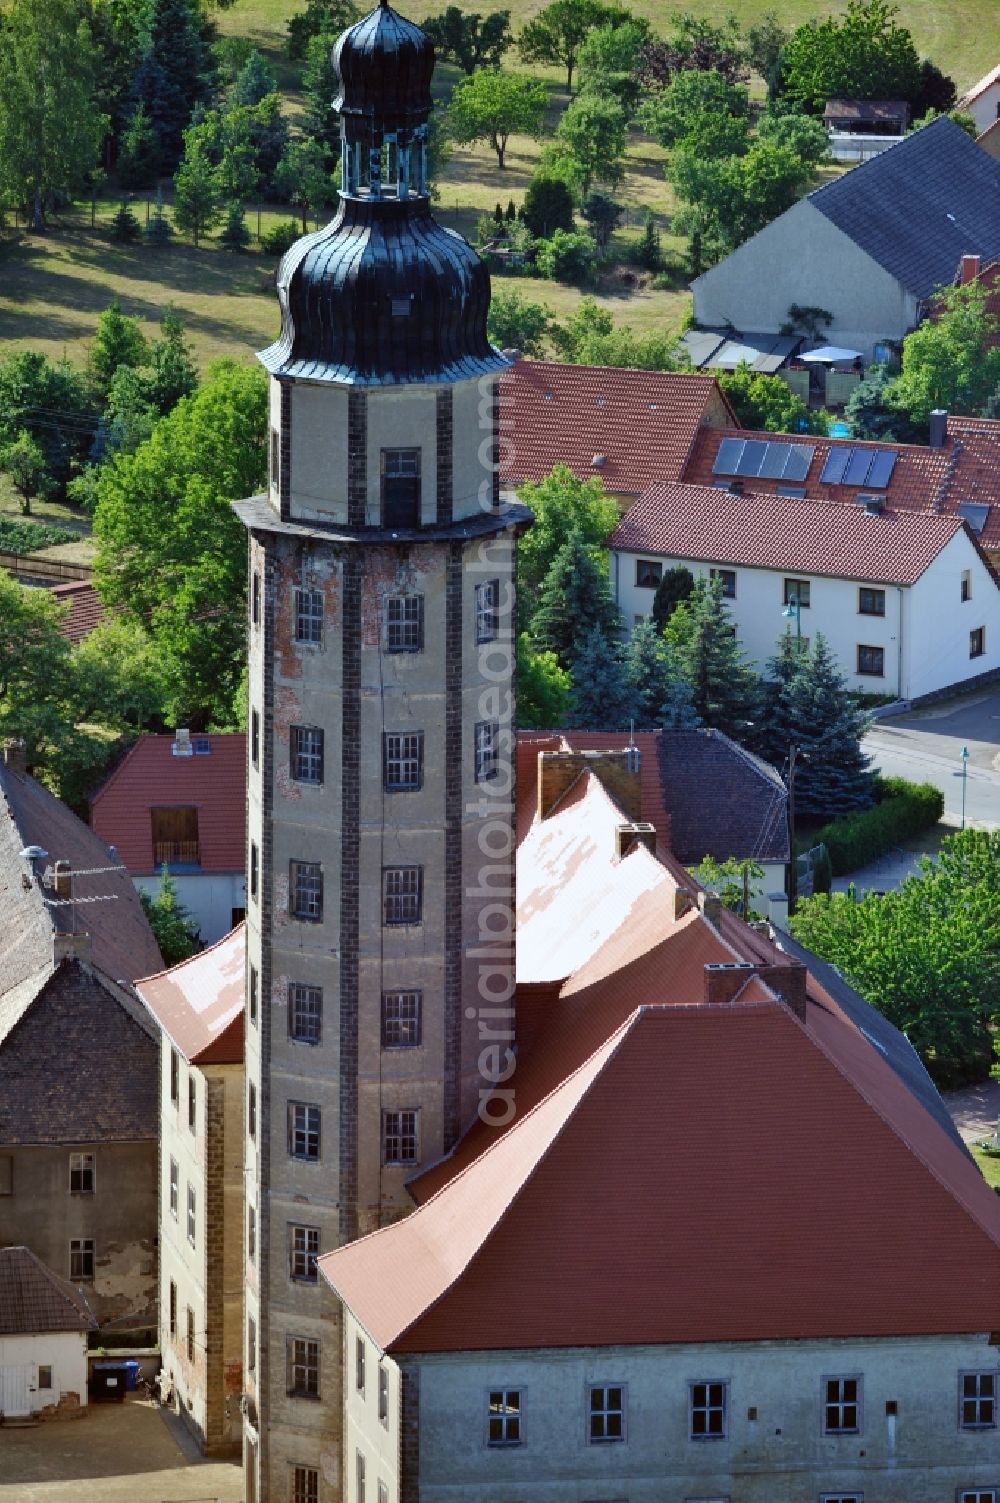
793,752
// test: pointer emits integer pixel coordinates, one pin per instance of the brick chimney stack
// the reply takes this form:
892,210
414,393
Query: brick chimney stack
724,980
970,269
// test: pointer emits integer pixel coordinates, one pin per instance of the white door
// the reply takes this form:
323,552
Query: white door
15,1389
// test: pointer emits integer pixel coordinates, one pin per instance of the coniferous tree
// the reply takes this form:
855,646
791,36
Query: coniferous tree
602,696
176,73
159,230
776,730
320,87
171,372
235,235
651,672
833,772
677,713
197,195
118,340
575,597
139,152
675,585
253,82
724,688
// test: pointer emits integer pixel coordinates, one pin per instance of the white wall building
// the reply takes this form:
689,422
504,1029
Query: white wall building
906,601
982,101
44,1322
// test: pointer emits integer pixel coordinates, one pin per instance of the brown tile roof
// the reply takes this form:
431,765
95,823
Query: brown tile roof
86,609
199,1003
779,532
720,1176
974,474
151,777
642,422
33,1299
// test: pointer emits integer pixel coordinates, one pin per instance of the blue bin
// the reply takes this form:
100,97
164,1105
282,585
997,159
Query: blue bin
132,1367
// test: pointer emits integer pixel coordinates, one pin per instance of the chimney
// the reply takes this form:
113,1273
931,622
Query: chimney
939,427
723,981
15,756
789,981
70,947
559,770
969,270
62,884
711,906
182,744
625,835
683,901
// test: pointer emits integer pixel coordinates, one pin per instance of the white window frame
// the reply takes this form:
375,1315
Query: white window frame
402,895
487,608
978,1374
402,1018
305,891
360,1364
404,623
487,751
192,1215
359,1475
980,632
505,1416
607,1412
841,1497
305,1123
305,754
174,1172
401,1130
402,761
978,1495
840,1403
708,1407
383,1395
303,1250
84,1167
308,616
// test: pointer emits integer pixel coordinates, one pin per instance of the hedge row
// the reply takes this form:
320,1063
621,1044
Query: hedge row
903,810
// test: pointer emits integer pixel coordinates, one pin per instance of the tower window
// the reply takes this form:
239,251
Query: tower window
400,487
403,761
402,894
254,989
255,737
255,598
254,869
303,1131
308,616
251,1234
252,1110
305,1013
275,460
307,754
399,1137
190,1334
487,736
303,1250
400,1020
404,623
306,890
303,1367
487,603
305,1485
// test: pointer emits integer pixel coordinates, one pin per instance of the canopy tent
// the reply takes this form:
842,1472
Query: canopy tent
831,354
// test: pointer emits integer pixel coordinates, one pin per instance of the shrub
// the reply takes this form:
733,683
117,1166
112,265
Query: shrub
235,235
280,237
903,810
159,230
548,206
566,257
125,227
29,537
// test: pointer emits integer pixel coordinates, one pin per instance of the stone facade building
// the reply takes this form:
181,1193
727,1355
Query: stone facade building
380,738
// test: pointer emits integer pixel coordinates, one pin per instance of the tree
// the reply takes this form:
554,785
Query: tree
470,41
602,697
937,91
139,154
125,227
704,108
548,206
170,552
575,598
235,235
725,690
950,361
593,132
590,337
561,504
677,713
50,128
320,87
805,137
492,106
649,251
554,36
52,401
926,955
326,18
302,178
121,676
542,687
24,462
176,73
695,45
118,340
735,882
34,667
777,729
170,372
609,62
603,216
726,200
652,673
872,411
567,256
675,585
514,323
197,193
833,772
865,54
254,81
761,401
766,41
174,928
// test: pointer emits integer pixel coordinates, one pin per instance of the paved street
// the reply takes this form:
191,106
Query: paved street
925,746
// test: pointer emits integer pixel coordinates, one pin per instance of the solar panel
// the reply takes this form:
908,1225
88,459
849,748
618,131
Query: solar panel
975,513
752,457
858,466
882,467
775,459
836,464
797,461
871,467
727,460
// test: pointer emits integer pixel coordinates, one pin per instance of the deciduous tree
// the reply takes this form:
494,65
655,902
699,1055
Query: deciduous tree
556,33
865,54
561,504
470,40
950,361
542,686
515,323
492,106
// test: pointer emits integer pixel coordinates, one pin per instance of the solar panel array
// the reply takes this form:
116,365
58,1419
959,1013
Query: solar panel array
868,467
758,457
975,513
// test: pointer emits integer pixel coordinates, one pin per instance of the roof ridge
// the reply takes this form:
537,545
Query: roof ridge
169,970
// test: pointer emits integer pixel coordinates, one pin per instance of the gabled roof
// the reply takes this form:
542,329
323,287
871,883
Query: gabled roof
122,943
986,82
151,777
867,110
779,532
199,1003
974,472
593,1191
918,208
86,609
723,800
640,425
33,1299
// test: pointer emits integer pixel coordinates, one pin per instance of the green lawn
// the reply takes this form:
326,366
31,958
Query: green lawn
989,1163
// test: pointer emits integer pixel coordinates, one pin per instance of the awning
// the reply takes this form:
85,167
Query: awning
830,354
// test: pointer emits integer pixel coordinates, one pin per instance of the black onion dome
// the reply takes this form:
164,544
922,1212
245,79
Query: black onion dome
385,64
384,295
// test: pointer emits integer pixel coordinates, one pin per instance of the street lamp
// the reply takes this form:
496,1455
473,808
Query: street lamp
794,608
965,778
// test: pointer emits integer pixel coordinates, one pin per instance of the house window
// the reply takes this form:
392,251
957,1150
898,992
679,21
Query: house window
174,1187
306,885
487,608
404,623
303,1250
82,1174
399,1137
192,1103
309,616
707,1411
81,1259
255,738
307,754
191,1210
383,1395
254,987
359,1364
727,578
175,1077
251,1344
978,1495
797,590
45,1377
359,1468
305,1484
403,761
401,1019
871,602
402,894
252,1110
487,736
966,584
841,1406
977,642
305,1013
254,869
175,836
172,1315
303,1367
606,1419
648,573
503,1417
255,599
978,1400
190,1334
383,1493
871,661
251,1234
303,1131
400,487
841,1498
6,1174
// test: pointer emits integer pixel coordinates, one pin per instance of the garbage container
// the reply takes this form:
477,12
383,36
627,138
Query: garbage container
108,1382
134,1366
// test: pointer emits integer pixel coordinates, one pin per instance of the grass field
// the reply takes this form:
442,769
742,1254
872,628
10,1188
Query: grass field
989,1163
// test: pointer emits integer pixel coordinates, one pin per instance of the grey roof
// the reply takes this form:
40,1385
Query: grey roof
33,1299
722,800
920,207
889,1040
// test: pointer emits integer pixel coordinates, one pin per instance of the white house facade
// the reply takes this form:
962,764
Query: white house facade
982,101
38,1371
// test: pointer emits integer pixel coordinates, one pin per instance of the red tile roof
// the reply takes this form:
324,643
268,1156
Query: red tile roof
642,422
974,475
86,609
33,1299
151,777
778,532
199,1003
594,1185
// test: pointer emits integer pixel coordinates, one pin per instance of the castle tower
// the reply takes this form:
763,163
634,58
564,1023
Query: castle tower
380,887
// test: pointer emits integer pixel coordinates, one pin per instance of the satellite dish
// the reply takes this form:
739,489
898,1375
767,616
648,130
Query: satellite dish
34,853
